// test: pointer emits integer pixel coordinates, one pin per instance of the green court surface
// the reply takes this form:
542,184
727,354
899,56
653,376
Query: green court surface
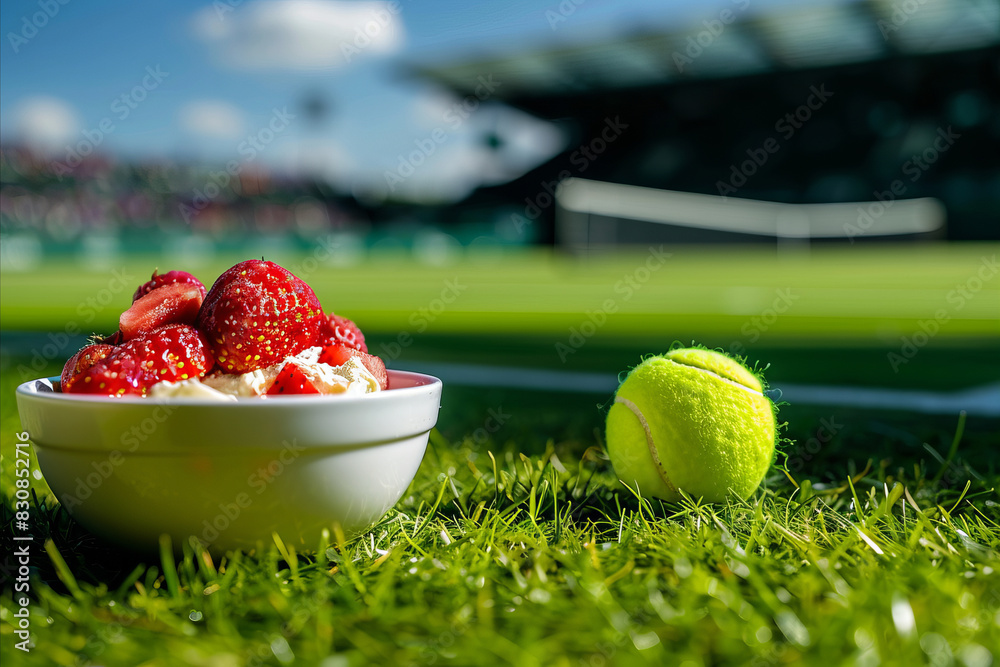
834,293
873,541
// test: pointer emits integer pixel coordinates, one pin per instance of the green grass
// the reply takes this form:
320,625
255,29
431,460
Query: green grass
522,549
872,293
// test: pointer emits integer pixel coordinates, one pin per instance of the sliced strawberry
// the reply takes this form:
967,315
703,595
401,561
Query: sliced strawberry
173,352
168,278
376,367
337,355
81,361
291,380
174,303
340,330
257,314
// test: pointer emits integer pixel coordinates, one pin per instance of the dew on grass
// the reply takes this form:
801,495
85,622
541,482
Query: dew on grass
976,655
936,647
539,596
902,616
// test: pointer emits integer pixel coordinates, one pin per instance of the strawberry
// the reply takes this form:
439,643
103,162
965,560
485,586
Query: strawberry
81,361
173,352
340,330
291,380
115,375
338,355
169,304
257,314
168,278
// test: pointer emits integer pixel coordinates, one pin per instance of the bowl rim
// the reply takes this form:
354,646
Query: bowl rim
422,380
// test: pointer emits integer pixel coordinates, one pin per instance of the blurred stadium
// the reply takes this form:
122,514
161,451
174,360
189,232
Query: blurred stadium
843,152
802,105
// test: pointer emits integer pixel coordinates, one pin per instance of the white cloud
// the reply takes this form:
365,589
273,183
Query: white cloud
430,108
47,123
212,118
527,141
464,161
317,157
300,34
451,173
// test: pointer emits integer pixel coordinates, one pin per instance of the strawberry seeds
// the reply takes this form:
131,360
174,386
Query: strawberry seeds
257,315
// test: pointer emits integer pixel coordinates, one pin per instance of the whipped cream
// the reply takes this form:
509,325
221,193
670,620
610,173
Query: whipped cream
350,378
192,388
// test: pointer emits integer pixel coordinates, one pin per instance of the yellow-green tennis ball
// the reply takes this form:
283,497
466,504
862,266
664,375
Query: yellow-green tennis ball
692,420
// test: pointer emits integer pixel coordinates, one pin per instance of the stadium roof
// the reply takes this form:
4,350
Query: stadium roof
817,36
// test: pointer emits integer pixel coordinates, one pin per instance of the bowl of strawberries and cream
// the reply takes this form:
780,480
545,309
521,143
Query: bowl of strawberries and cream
227,415
258,321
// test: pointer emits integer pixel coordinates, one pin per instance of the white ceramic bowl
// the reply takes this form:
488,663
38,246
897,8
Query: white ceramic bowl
229,473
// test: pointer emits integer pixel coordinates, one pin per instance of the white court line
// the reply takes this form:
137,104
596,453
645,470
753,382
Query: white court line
979,402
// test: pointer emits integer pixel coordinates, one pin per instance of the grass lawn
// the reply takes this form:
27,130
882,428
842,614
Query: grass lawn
879,546
747,293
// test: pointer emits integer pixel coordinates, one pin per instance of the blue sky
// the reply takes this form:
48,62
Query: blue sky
225,66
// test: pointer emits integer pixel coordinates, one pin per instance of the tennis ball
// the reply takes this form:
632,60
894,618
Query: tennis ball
692,420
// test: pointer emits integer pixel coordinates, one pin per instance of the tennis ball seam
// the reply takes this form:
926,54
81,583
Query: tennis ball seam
721,377
660,470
